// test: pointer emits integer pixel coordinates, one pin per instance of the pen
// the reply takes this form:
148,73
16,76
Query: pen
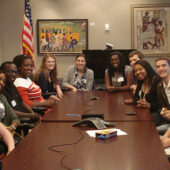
73,115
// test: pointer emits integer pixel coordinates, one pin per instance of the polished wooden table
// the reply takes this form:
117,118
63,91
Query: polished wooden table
139,150
72,105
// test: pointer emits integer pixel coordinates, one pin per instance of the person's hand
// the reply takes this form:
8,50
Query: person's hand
59,92
165,142
74,89
10,150
142,103
133,88
55,98
166,135
34,116
128,101
49,102
111,88
165,139
165,113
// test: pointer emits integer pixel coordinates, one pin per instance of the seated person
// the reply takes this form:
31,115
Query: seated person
7,115
22,110
79,77
28,90
163,89
46,76
117,75
146,92
133,57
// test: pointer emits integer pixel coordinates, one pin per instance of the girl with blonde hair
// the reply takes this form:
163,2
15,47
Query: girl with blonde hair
46,76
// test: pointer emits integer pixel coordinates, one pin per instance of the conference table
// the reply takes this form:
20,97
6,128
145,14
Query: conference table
73,105
73,148
54,144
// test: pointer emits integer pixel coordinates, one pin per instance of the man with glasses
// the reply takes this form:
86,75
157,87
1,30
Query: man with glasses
22,110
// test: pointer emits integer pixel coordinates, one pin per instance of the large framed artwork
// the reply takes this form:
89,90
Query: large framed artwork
151,28
62,36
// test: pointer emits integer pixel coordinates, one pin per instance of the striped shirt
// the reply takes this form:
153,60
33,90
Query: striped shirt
28,90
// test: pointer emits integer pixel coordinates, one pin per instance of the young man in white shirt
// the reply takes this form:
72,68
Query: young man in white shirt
163,69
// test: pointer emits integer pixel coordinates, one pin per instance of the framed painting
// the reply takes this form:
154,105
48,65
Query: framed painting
62,36
151,29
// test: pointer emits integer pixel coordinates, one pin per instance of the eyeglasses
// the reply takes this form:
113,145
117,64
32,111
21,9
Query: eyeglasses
11,71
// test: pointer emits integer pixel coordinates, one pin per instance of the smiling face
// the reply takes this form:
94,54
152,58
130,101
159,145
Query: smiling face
49,63
114,61
80,63
10,72
133,60
163,68
26,68
140,72
2,81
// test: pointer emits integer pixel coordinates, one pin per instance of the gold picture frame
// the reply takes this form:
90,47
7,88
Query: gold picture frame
62,36
151,29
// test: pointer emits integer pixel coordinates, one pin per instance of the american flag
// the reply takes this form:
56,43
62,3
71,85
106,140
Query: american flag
27,32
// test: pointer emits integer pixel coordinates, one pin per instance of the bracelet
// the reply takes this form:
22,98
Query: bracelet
14,128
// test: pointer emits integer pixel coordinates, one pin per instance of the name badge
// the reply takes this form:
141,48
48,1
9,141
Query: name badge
120,79
2,106
13,102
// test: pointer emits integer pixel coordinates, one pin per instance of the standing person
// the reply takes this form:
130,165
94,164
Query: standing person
146,92
64,42
22,110
163,69
28,90
79,77
46,76
117,75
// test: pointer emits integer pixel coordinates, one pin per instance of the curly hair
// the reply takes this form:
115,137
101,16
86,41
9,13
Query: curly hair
43,70
19,59
121,67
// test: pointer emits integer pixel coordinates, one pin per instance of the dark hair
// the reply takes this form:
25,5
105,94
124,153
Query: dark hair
149,70
19,59
2,71
163,58
140,54
121,68
80,55
3,65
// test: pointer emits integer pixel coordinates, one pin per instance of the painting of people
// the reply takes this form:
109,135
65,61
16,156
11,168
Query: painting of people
62,36
151,28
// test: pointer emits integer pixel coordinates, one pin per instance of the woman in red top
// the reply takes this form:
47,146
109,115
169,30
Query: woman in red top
28,90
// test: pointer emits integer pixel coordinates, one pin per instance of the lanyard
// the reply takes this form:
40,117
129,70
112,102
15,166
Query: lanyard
144,93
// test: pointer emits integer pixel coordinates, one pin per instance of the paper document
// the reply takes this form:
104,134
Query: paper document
92,133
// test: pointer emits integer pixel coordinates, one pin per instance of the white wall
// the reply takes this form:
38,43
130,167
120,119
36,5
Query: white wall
116,13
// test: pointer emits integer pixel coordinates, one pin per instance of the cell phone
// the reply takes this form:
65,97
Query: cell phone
130,113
